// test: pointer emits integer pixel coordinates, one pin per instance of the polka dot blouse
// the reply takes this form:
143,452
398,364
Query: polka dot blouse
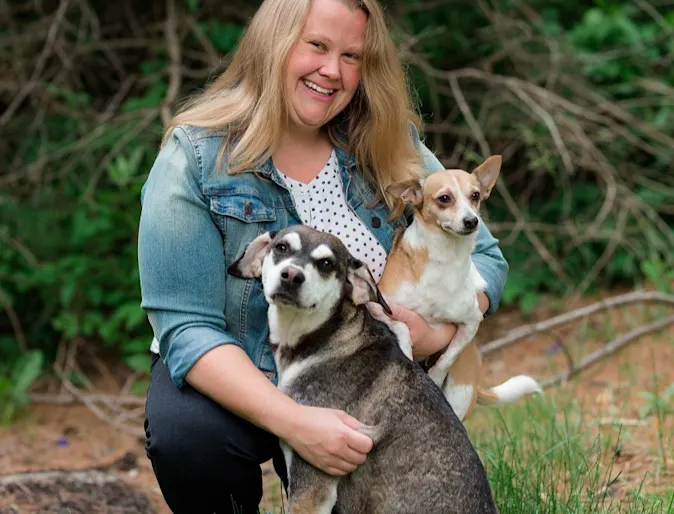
322,205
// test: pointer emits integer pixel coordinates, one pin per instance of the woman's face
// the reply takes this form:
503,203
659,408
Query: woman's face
323,69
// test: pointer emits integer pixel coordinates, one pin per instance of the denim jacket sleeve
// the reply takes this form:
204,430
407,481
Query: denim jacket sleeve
487,256
182,271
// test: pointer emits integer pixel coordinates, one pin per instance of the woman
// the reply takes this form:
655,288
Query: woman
309,124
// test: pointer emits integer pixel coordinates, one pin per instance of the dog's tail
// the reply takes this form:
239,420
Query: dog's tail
509,391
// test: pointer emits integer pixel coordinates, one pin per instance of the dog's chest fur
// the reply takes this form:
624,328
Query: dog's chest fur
306,342
446,287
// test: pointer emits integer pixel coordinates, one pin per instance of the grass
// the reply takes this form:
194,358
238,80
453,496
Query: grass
543,456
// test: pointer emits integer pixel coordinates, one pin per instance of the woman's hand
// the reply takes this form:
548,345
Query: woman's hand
328,439
426,340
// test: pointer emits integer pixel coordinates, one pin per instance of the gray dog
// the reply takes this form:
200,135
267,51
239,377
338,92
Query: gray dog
330,352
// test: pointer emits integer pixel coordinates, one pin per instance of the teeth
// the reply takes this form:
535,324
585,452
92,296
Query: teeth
318,89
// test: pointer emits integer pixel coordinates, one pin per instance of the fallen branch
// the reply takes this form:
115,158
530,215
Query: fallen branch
542,326
173,49
70,399
135,431
608,350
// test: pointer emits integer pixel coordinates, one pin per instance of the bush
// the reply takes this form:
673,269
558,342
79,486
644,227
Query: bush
576,98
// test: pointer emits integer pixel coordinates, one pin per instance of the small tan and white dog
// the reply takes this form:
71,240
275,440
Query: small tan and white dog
430,271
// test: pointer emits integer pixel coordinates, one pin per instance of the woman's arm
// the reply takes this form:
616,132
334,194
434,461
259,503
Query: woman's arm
426,340
182,274
327,438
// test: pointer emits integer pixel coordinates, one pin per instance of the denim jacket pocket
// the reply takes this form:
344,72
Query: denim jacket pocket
241,217
244,207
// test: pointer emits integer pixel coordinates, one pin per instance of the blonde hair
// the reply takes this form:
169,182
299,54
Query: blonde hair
247,101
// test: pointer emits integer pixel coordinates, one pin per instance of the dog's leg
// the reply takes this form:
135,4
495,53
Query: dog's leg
310,490
400,329
464,335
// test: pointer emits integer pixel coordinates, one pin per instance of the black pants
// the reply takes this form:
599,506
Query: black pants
206,459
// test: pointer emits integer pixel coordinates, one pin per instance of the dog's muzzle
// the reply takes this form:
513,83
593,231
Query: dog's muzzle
467,226
290,283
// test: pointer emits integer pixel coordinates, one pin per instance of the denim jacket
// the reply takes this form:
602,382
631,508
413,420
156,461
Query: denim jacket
196,220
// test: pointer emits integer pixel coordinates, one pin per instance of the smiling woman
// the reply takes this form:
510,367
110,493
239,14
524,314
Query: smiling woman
316,98
324,66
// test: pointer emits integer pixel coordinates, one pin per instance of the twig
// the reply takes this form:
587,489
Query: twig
70,399
609,349
616,236
510,202
113,105
542,326
116,150
41,61
91,405
14,321
623,421
173,47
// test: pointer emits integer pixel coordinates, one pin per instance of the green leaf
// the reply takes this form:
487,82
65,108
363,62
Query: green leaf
139,362
27,370
67,323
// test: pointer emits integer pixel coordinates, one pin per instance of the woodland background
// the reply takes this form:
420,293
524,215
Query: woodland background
577,96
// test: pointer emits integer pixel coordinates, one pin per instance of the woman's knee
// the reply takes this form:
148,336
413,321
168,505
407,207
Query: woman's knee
200,450
184,426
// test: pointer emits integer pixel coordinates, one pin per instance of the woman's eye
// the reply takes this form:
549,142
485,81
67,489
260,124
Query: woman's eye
281,248
444,199
475,196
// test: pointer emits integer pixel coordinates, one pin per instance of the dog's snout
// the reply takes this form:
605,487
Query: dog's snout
470,222
292,275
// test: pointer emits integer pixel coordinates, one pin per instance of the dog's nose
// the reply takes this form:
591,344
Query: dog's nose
292,275
470,223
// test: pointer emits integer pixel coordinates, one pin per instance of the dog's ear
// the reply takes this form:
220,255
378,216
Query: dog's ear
487,173
409,191
363,285
405,192
249,264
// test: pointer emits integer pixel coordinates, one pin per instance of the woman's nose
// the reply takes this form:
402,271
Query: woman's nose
330,67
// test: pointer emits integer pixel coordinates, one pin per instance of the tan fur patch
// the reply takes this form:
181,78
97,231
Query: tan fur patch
466,370
311,502
404,263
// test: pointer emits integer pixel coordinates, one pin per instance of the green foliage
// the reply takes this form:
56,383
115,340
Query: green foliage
74,158
620,51
14,384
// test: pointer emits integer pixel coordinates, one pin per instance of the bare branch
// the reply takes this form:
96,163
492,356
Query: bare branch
542,326
609,349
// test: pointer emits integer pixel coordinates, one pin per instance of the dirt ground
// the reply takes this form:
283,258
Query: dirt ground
53,437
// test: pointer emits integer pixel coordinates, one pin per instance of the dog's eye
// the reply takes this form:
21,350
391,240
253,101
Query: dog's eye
475,196
325,265
446,199
281,247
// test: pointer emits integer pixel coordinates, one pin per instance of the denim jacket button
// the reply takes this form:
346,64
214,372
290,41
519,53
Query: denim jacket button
247,207
376,222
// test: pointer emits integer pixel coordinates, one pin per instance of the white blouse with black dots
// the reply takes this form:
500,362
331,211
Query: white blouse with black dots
322,205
